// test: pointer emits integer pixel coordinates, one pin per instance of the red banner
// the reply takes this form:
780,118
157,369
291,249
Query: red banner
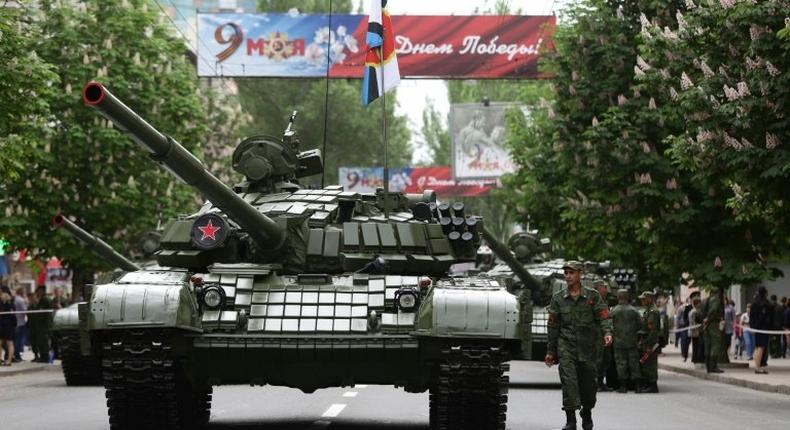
465,47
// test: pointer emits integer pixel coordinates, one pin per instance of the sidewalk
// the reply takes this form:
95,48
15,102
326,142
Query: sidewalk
26,366
776,381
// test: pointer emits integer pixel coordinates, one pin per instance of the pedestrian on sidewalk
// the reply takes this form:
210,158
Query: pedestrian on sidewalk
738,333
713,329
748,336
761,318
775,340
684,346
40,325
729,324
577,316
7,326
695,319
20,333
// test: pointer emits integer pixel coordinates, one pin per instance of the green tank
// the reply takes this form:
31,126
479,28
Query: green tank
79,369
530,256
273,284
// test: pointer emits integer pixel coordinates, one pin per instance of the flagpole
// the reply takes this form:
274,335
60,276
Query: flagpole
384,135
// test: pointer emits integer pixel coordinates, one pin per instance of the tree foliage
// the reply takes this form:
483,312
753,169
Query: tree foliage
87,169
353,132
24,76
731,87
598,165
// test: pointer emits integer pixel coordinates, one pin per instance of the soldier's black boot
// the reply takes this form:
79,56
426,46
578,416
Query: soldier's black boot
587,423
570,420
637,386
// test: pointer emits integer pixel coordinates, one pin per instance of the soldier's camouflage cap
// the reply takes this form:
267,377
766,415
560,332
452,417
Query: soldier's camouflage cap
600,281
623,292
647,295
573,265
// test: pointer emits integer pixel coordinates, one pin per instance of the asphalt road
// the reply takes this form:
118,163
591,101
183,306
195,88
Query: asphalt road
42,400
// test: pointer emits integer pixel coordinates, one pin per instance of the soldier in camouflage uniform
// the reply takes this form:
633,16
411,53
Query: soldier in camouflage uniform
626,323
605,361
713,329
577,317
651,324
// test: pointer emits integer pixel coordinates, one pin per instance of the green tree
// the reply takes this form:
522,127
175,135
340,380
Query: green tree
24,76
732,89
595,171
353,132
88,169
436,135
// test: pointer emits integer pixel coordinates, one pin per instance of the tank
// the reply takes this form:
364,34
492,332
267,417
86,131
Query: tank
527,256
274,284
79,369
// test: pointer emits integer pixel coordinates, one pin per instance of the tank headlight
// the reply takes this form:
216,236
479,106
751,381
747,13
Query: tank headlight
213,297
407,299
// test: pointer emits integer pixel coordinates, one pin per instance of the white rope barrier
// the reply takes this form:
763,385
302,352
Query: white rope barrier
753,330
42,311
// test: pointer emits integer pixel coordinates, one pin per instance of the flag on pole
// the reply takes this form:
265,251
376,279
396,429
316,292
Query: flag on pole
380,40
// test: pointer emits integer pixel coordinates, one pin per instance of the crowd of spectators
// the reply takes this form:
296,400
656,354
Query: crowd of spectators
744,332
20,330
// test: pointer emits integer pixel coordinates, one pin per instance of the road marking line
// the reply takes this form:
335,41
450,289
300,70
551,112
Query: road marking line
361,386
334,410
350,394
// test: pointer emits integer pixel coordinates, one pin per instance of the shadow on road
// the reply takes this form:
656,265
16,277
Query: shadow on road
535,385
337,424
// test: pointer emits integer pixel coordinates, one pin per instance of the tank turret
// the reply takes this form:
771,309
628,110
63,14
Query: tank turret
504,253
163,149
97,245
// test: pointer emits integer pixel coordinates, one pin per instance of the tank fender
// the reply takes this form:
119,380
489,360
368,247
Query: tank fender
115,306
469,312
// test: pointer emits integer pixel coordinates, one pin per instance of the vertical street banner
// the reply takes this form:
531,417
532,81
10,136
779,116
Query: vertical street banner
477,134
302,45
413,180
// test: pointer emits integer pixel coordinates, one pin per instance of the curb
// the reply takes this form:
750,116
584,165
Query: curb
758,386
30,369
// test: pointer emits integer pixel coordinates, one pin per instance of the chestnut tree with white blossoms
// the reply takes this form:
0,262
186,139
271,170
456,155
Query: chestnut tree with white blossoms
606,168
86,168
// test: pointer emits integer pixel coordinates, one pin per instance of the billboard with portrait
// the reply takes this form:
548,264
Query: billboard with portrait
478,133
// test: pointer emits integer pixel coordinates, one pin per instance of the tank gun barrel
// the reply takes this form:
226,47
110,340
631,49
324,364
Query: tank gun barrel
98,246
165,150
501,250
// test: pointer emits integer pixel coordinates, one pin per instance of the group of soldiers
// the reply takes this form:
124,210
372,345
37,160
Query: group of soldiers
583,332
635,347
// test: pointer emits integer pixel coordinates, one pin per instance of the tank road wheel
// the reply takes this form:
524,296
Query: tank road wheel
470,391
77,368
145,387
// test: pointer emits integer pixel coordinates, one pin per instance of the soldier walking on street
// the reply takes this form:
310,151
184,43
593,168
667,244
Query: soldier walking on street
713,329
651,324
625,326
577,317
606,380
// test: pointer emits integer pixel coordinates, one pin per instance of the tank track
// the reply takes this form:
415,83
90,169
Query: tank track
470,391
145,388
78,369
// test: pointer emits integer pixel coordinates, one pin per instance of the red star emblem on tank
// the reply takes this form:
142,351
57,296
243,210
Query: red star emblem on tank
209,231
